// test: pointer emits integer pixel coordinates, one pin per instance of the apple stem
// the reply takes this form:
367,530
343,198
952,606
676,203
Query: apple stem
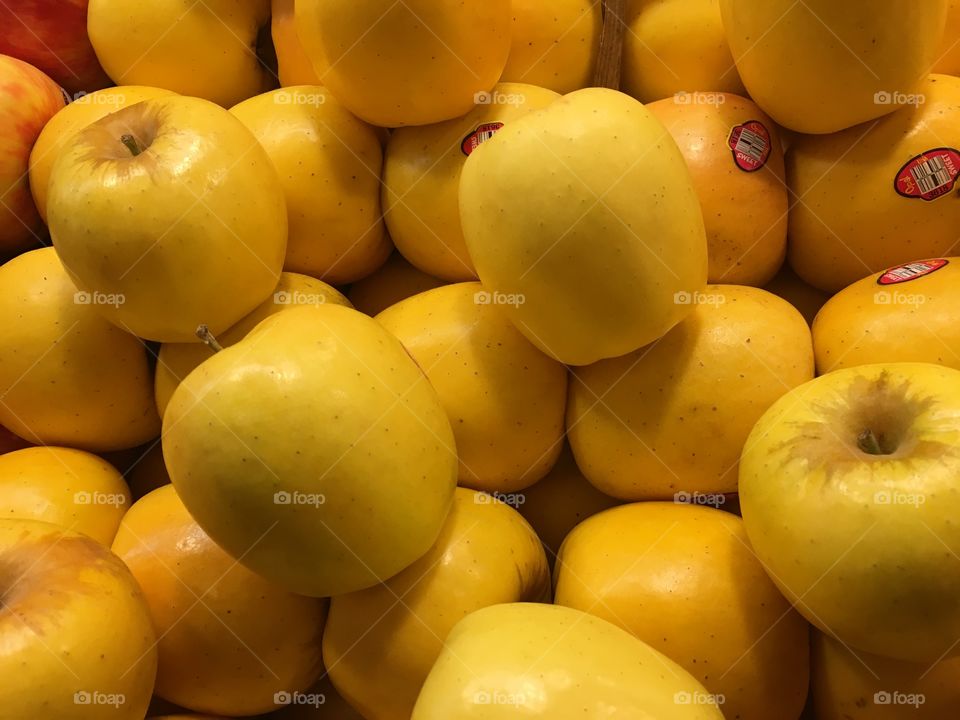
208,339
867,441
131,144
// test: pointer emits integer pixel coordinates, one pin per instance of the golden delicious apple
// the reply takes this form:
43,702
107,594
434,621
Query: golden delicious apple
409,63
67,376
821,66
83,111
293,63
908,313
504,398
677,47
229,640
584,217
380,651
314,451
550,662
684,579
70,488
171,206
209,49
848,494
848,684
329,165
177,360
554,45
76,631
28,99
899,204
672,417
421,178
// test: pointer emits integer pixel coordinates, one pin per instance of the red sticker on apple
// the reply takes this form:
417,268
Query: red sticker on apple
911,271
479,136
929,175
750,143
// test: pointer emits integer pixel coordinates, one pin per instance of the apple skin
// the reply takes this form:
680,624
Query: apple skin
52,35
28,99
75,627
190,231
866,546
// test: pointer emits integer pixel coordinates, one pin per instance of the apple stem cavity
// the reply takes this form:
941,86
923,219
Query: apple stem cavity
208,338
131,144
867,441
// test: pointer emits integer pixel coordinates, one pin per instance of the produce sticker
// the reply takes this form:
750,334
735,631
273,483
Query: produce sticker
929,175
750,144
479,136
911,271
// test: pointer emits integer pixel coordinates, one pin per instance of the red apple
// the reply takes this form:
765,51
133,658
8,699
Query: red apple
28,99
52,35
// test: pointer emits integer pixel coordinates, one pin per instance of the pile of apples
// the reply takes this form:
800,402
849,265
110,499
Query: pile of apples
480,360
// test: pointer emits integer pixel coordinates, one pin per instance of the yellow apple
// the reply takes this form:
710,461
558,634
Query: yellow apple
421,178
554,45
380,651
177,360
684,579
171,207
820,66
672,417
229,640
410,63
504,398
76,631
848,494
566,217
57,133
848,684
908,313
205,49
677,46
28,99
314,450
392,282
67,376
329,165
551,662
70,488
